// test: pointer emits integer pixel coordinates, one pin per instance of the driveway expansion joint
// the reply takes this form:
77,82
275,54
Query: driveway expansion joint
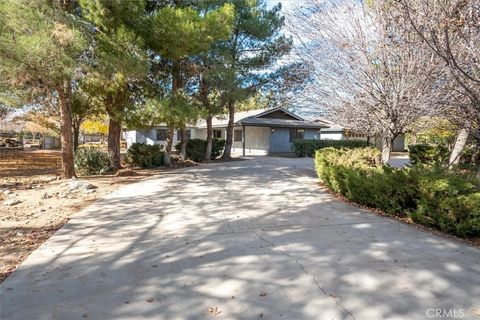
305,271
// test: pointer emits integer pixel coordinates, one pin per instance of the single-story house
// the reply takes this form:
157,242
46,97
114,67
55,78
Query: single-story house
256,132
338,132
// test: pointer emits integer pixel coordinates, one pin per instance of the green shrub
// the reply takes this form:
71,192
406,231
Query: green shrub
217,148
431,195
427,154
90,161
145,155
196,149
358,175
307,148
448,201
470,157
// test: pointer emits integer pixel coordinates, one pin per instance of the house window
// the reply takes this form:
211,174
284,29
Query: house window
296,134
237,135
217,134
179,135
162,134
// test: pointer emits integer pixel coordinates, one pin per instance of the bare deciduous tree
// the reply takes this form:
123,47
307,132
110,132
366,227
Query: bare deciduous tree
369,75
451,29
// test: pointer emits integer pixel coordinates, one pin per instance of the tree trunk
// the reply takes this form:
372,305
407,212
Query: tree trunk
227,152
76,135
459,145
76,123
114,132
65,99
208,150
183,143
168,147
387,143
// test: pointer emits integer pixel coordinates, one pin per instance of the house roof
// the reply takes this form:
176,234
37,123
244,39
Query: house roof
261,118
222,120
269,122
275,117
330,126
279,109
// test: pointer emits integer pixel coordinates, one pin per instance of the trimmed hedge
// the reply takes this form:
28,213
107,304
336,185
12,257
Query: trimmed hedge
89,161
431,196
145,155
307,148
196,149
427,154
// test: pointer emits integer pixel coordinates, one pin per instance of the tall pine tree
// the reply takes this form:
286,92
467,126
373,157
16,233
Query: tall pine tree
118,61
249,55
42,44
178,33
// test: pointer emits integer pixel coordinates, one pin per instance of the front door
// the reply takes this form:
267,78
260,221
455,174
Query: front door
279,140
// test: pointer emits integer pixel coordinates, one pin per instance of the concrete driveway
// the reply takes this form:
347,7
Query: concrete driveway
240,240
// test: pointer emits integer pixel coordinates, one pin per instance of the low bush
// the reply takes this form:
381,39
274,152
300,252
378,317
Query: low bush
358,175
196,149
427,154
145,155
448,201
217,148
307,148
470,157
90,161
431,195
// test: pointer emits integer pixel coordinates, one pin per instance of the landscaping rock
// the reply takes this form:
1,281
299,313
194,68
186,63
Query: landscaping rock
80,185
12,202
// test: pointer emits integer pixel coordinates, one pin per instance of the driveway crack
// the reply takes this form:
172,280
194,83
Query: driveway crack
305,271
219,204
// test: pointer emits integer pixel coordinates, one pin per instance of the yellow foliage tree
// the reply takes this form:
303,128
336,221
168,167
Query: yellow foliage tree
97,125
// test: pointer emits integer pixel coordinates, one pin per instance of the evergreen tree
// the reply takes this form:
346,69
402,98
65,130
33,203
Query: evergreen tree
178,33
41,48
249,55
118,61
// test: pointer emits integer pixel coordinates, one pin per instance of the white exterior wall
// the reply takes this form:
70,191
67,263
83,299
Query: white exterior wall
331,136
130,137
257,141
202,133
199,134
398,143
147,136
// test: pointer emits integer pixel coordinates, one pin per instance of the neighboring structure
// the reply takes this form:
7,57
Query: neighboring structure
337,132
256,132
50,143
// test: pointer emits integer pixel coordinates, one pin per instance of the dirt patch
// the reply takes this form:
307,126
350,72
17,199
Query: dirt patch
34,202
17,164
40,208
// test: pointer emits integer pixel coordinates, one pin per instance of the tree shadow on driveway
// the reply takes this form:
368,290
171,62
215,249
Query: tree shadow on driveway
240,240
